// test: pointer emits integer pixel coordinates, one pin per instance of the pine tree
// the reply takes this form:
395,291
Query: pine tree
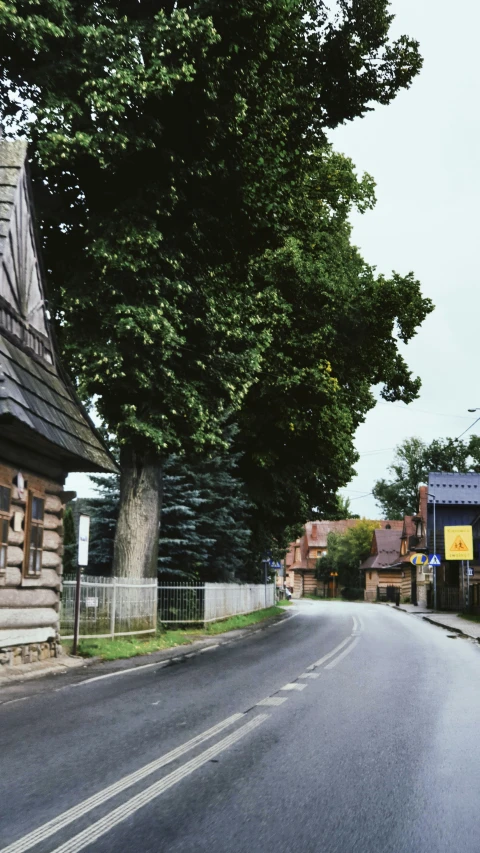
224,514
103,512
182,549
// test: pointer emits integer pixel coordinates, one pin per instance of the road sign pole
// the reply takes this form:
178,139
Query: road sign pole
434,551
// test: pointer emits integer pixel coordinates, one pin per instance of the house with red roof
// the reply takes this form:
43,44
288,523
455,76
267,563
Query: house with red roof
302,555
389,572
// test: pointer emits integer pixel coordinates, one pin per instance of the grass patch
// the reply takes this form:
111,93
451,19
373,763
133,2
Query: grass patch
129,647
235,622
469,617
285,603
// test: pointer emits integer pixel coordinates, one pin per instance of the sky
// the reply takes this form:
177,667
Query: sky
422,152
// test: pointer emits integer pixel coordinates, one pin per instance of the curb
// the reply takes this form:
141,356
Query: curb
59,668
453,630
175,654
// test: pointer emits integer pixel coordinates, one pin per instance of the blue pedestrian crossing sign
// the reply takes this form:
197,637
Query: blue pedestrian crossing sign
434,560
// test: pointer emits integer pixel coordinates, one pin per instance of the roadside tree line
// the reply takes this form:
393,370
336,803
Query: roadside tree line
195,222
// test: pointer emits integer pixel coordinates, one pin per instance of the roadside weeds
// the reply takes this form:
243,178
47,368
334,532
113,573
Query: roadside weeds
128,647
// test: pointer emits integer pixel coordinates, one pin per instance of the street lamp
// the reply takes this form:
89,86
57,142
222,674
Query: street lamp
434,549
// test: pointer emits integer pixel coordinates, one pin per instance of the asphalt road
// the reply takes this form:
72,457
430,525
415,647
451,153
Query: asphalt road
346,727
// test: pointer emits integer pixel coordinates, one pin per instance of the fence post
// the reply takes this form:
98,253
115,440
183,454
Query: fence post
113,606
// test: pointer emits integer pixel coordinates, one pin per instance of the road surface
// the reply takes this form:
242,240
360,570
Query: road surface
346,727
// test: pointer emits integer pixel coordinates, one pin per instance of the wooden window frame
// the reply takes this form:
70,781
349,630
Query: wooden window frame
5,516
33,524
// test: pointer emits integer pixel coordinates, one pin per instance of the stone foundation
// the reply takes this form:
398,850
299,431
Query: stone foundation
29,653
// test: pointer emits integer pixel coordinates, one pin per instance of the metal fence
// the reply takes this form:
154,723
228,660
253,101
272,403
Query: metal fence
109,607
182,603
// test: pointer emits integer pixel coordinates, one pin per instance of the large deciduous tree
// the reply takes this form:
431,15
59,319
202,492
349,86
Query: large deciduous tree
336,330
169,140
414,460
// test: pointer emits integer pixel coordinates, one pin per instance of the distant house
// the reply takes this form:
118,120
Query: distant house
302,554
389,571
457,503
44,431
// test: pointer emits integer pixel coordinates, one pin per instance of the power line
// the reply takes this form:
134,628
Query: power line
468,428
405,408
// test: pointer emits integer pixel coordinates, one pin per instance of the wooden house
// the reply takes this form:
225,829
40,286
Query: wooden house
389,570
44,431
302,555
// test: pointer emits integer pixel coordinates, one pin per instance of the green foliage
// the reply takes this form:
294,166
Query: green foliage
195,225
351,593
103,511
413,461
345,553
69,542
204,524
336,332
204,530
127,647
342,510
168,141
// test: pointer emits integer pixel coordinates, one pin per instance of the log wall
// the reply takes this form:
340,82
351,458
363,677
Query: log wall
29,607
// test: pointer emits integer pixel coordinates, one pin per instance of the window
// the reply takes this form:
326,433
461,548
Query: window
4,525
32,565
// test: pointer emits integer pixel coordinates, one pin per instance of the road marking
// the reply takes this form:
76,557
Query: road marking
210,648
360,623
330,654
309,675
344,653
92,833
273,700
159,664
97,799
293,686
354,623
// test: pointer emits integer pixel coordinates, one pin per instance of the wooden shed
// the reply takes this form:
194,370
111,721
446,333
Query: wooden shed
44,432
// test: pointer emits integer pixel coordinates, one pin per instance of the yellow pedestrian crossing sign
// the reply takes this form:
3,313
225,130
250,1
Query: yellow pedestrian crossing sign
458,543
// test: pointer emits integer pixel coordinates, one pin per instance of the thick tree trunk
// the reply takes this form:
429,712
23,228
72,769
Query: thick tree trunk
136,537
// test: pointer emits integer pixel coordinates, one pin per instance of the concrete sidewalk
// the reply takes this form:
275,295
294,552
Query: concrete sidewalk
449,621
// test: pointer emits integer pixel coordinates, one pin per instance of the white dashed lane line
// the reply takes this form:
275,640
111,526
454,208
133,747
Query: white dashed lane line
293,686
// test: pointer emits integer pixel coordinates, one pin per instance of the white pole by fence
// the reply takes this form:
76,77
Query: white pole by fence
113,607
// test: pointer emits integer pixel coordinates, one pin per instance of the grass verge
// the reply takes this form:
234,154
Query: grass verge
469,617
128,647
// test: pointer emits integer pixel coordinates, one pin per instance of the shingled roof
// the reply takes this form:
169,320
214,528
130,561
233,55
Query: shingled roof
387,549
37,401
454,488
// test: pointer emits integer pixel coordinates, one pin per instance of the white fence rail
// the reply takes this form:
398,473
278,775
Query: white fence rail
181,603
109,607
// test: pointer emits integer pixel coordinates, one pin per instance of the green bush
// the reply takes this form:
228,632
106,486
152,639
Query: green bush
352,593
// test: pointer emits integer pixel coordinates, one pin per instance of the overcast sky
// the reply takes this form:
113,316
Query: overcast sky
422,152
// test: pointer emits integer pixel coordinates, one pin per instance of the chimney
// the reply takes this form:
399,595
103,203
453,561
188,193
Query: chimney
314,531
422,502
